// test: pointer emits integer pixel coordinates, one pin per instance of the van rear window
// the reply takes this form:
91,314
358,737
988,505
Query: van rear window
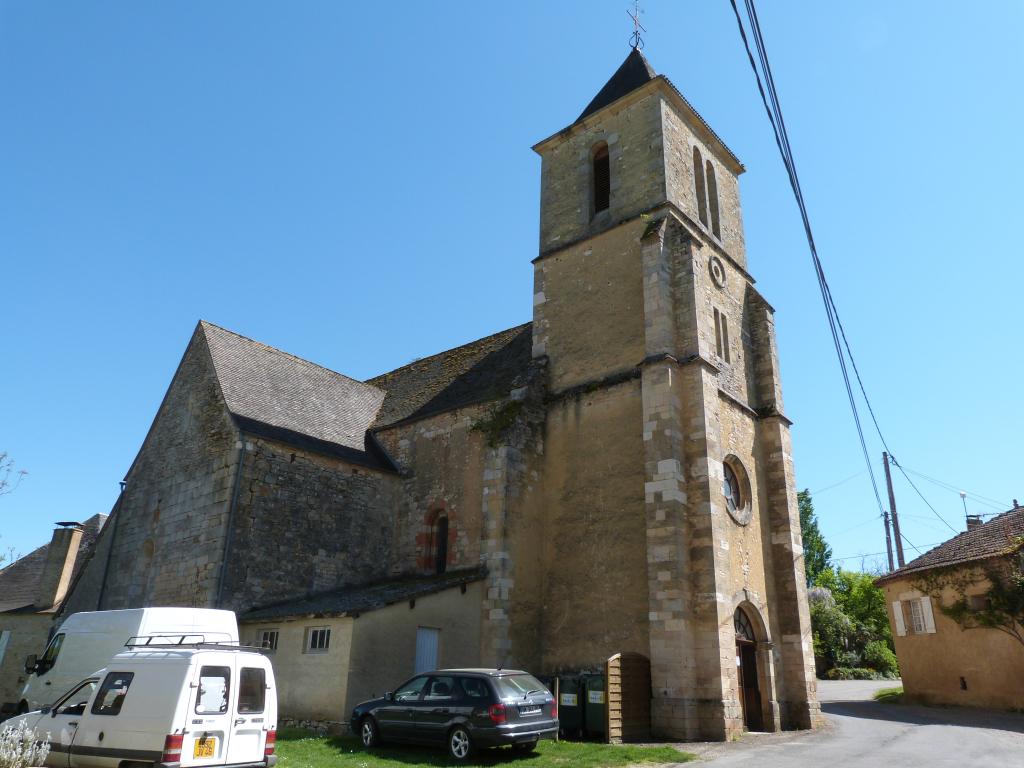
252,690
110,699
214,687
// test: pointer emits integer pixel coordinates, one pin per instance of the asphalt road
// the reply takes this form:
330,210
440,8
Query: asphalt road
860,732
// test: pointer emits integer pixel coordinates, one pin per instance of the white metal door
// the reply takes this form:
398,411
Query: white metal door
249,713
210,716
427,639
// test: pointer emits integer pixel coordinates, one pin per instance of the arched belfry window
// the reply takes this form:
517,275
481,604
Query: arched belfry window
713,199
602,178
441,544
700,189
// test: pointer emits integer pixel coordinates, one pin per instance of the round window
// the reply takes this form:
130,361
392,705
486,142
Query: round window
736,490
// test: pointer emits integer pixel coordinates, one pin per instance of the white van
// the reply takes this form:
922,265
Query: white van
169,706
86,641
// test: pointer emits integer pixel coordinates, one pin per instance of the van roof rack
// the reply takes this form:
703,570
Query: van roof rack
190,640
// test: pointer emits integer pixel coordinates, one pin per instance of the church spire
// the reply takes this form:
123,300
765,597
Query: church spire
634,72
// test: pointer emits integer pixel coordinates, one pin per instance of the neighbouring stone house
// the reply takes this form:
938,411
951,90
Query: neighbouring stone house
32,590
613,477
946,661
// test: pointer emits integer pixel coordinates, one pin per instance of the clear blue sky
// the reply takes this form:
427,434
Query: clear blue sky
354,183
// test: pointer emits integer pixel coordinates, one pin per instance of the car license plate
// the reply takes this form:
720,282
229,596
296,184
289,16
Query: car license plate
204,747
529,710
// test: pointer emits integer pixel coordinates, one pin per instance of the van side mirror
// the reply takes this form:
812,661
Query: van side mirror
389,696
30,664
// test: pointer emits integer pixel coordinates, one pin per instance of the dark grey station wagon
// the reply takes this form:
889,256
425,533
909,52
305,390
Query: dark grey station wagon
462,710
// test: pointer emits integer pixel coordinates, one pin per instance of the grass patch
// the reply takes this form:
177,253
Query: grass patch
300,749
890,695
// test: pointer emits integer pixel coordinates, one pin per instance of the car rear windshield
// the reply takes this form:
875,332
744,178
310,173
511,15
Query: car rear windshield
518,686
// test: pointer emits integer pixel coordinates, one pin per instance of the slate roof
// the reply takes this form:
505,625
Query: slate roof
1000,535
277,395
631,74
482,370
635,72
368,597
19,581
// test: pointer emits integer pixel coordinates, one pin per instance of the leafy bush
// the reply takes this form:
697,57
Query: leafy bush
19,748
880,657
852,673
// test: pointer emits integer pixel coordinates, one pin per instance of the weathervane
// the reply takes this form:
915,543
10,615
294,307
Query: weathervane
635,40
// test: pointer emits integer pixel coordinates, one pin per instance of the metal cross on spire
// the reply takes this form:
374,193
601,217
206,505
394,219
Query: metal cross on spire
635,40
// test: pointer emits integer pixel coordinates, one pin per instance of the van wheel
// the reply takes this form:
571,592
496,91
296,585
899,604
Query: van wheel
524,747
22,707
460,745
368,732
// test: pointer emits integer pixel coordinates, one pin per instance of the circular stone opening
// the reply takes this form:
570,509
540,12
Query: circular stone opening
736,489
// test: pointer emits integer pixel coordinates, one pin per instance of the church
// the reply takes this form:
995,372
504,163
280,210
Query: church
613,477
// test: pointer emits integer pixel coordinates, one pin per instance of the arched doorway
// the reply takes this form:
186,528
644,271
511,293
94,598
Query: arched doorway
747,672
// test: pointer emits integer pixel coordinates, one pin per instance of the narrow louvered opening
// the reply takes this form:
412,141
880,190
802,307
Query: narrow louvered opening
602,179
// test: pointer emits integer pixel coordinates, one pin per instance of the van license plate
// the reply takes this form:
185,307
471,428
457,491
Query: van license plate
204,747
529,710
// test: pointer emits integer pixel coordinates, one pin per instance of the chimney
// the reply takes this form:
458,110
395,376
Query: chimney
973,521
60,563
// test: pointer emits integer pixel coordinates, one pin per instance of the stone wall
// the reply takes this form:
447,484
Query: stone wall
443,472
30,632
167,536
680,139
305,522
595,585
588,308
989,662
632,131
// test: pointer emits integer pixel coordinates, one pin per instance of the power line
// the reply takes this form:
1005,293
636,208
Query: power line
912,485
840,341
770,94
876,554
836,485
986,500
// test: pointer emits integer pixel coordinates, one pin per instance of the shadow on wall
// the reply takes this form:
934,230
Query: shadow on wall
920,715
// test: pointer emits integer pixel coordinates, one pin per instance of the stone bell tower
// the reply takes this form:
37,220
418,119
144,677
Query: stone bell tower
667,469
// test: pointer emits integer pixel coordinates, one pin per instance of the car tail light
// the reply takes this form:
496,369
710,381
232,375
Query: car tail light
172,748
268,750
554,710
497,713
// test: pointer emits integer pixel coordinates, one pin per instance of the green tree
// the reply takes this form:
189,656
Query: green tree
817,552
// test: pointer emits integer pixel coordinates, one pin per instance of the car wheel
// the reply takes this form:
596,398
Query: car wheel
524,747
460,745
368,732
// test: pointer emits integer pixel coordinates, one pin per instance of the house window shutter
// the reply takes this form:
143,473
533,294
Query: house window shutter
929,617
897,616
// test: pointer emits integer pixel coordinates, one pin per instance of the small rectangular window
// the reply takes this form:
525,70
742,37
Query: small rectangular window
267,639
214,688
252,690
721,335
916,617
110,699
979,603
318,639
602,179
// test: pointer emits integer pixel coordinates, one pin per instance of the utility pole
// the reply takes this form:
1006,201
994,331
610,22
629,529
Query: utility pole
892,509
888,540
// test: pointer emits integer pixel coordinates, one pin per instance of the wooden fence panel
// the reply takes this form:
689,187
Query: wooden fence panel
628,677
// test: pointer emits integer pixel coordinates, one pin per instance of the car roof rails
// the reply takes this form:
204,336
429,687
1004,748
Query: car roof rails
190,640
